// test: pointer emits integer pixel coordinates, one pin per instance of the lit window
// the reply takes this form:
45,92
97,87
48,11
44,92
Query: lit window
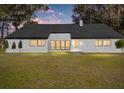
103,42
62,44
57,44
67,44
41,43
76,43
106,42
37,43
33,43
98,42
52,44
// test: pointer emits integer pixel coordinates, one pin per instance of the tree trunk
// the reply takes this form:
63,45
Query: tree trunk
16,28
2,30
118,18
110,13
7,29
2,36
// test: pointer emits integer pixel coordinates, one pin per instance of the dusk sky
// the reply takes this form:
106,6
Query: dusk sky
57,14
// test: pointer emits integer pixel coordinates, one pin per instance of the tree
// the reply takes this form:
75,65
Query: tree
89,13
4,16
20,44
17,14
20,14
112,15
3,23
13,45
31,21
120,44
6,44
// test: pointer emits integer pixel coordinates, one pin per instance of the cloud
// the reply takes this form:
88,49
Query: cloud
61,14
51,17
52,12
48,20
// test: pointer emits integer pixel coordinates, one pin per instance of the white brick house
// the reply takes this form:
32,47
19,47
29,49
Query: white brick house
37,38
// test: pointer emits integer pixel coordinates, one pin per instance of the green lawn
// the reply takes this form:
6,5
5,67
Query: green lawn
61,70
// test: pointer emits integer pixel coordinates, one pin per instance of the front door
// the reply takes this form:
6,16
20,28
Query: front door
60,45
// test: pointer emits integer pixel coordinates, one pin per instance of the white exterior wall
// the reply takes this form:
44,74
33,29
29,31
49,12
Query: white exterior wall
88,45
25,46
58,36
85,45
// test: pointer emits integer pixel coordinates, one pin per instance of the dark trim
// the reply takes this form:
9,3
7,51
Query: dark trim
27,38
71,38
97,38
60,32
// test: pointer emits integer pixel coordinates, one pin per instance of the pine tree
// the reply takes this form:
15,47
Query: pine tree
13,45
20,44
6,44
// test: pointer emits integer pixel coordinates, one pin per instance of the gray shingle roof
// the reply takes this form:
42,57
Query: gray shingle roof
42,31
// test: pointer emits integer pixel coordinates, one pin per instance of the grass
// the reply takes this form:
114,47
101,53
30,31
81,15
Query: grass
61,70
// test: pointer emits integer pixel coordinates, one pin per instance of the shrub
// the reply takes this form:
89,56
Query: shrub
120,44
20,44
13,45
6,44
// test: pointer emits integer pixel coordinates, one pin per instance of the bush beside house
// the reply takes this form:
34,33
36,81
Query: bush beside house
6,44
20,45
120,44
13,45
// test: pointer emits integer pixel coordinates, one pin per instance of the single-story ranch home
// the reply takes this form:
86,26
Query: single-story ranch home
80,37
